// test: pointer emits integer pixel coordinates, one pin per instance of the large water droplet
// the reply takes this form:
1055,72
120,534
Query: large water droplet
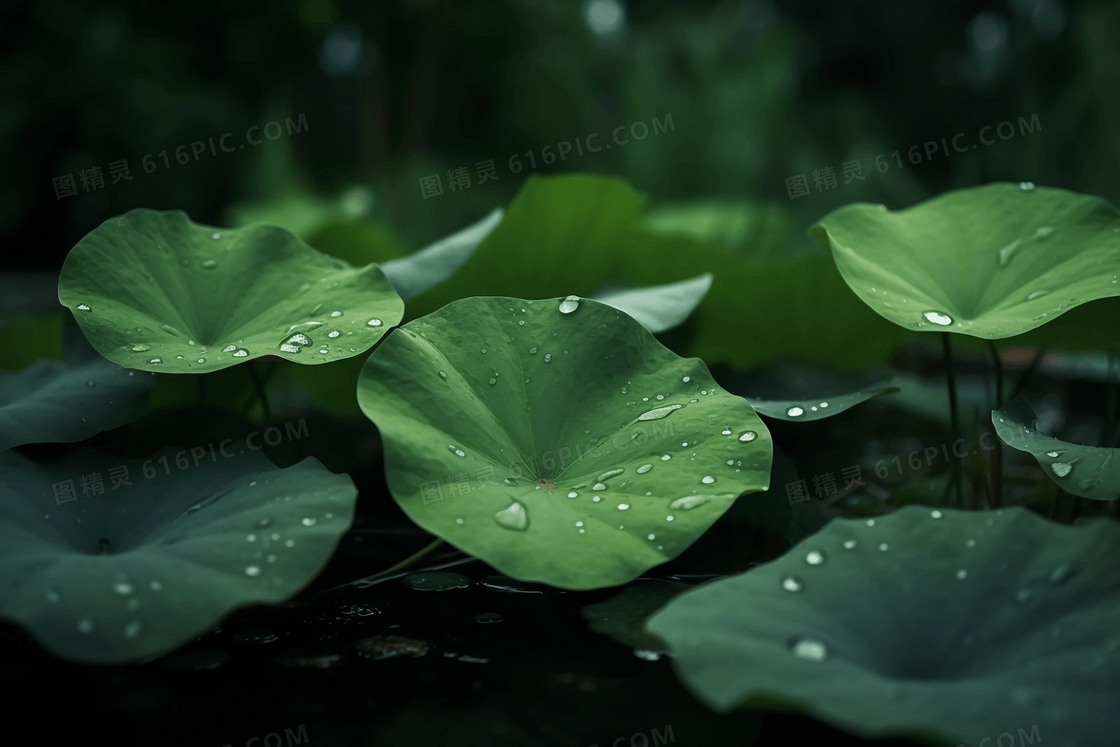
253,570
815,557
309,521
156,360
241,353
794,412
1053,454
83,307
374,323
140,348
707,479
748,436
808,649
937,317
1007,252
229,348
1026,186
569,304
792,583
609,474
644,469
513,517
849,544
659,413
1061,469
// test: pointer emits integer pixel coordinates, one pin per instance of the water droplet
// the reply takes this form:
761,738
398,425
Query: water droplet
686,379
644,469
443,375
86,625
483,351
659,413
263,523
961,574
1043,233
666,458
970,543
883,547
609,474
241,353
935,514
792,583
1061,469
623,506
336,314
748,436
815,557
156,360
1037,294
83,307
215,236
309,522
692,501
938,318
849,544
122,588
707,479
1053,454
569,304
808,649
573,494
140,348
209,264
1007,252
547,357
870,522
824,404
1061,573
513,517
201,360
493,381
794,412
532,351
374,323
1026,186
253,570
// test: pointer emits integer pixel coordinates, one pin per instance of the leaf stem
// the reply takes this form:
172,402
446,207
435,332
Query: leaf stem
410,560
954,415
997,457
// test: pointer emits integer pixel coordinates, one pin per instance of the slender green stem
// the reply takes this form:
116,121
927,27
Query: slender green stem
261,394
410,560
954,415
997,457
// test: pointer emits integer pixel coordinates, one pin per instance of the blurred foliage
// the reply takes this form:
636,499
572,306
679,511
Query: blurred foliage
755,92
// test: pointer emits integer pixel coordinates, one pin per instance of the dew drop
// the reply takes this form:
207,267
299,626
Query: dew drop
573,494
623,506
86,625
156,361
1053,454
659,413
1037,294
937,317
123,589
748,436
209,264
83,307
792,583
962,574
1026,186
794,412
849,544
569,304
140,348
808,649
666,458
229,348
513,517
883,547
1061,469
644,469
707,479
241,353
309,521
547,357
374,323
815,557
935,514
253,570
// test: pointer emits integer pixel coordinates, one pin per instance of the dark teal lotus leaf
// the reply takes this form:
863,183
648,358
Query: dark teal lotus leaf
990,262
658,307
1087,471
193,537
154,291
557,440
937,624
622,616
62,402
801,392
430,266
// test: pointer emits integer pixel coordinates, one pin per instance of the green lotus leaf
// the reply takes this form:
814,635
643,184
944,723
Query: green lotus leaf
622,616
989,262
658,307
154,291
800,392
571,234
103,572
935,624
426,268
62,402
557,440
1087,471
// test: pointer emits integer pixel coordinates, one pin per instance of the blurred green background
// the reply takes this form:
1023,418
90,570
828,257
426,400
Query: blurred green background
369,98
